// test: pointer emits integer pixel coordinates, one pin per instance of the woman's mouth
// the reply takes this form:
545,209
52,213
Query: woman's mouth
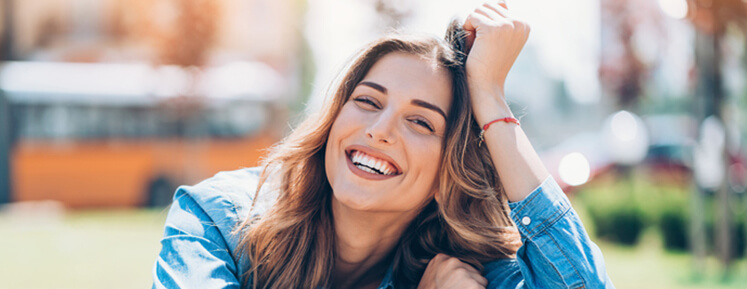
371,164
370,167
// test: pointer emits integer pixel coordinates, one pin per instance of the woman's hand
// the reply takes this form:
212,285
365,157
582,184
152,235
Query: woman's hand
498,39
444,271
494,41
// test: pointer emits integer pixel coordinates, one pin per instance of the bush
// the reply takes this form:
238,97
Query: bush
739,238
621,223
621,209
614,210
673,224
674,220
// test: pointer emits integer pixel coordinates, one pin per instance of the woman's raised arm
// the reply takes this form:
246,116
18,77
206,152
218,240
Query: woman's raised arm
496,41
556,250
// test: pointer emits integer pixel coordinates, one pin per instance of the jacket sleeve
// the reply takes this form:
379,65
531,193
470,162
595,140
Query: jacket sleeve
194,252
556,250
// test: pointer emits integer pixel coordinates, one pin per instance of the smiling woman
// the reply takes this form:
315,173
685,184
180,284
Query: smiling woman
388,114
389,187
385,127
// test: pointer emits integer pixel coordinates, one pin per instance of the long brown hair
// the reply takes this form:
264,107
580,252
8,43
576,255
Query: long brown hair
292,245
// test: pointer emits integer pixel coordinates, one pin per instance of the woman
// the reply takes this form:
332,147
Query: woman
393,185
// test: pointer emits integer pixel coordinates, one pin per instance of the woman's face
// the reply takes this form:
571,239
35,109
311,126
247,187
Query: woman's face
384,149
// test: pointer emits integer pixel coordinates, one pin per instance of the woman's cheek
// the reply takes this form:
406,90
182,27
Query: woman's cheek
349,118
425,147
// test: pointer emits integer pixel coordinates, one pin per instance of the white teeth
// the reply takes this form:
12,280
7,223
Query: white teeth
365,162
378,164
366,169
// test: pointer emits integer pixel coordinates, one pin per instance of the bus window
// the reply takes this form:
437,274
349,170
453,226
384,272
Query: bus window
105,147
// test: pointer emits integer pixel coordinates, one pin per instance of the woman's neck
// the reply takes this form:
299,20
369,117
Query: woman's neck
364,244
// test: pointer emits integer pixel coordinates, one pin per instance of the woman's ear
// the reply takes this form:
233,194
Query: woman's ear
436,195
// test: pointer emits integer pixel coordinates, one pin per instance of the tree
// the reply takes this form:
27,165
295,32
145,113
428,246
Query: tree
6,142
624,67
711,19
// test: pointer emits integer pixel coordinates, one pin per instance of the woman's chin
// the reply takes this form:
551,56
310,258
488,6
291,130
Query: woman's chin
356,200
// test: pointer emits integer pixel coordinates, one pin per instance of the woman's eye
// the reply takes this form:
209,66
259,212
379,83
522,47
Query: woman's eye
366,101
423,124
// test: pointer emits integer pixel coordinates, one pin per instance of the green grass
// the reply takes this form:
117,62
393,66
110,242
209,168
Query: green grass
116,249
648,266
89,249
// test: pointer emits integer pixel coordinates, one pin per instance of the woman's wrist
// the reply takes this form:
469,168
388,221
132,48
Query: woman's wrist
488,105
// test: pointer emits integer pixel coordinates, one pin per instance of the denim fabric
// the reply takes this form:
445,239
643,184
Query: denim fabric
556,250
198,247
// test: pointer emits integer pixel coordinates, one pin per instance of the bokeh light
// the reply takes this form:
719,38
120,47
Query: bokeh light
624,126
626,137
574,169
676,9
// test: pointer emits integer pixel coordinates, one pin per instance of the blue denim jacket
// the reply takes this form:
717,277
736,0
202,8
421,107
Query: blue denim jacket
198,245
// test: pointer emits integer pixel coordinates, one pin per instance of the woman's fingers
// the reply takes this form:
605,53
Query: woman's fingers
477,277
463,278
486,16
460,273
491,14
498,40
503,4
471,25
444,271
499,8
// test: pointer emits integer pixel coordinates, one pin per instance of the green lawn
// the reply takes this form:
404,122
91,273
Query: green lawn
648,266
91,249
116,249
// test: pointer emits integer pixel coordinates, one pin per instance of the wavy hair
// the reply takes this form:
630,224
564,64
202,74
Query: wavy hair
292,245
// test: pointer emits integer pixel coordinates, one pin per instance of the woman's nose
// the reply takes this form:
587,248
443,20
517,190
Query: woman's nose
382,130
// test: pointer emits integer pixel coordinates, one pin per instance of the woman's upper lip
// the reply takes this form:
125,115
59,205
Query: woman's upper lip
373,153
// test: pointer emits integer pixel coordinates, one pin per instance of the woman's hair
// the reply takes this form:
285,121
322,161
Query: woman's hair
292,245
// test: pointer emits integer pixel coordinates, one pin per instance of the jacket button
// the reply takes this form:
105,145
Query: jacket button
526,221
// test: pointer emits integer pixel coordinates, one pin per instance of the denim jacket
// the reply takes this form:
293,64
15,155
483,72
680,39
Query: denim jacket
198,245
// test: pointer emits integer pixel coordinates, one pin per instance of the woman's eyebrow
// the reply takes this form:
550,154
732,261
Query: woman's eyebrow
374,86
416,102
428,105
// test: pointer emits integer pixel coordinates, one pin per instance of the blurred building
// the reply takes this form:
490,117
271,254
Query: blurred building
114,103
120,30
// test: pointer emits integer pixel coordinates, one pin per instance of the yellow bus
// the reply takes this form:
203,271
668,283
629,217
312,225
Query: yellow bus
123,135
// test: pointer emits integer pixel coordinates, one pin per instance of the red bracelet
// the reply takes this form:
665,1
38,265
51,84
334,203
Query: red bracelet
487,125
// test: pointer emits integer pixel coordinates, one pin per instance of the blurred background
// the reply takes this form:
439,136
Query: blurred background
637,107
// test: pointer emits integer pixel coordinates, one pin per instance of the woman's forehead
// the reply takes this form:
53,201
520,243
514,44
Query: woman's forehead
413,76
